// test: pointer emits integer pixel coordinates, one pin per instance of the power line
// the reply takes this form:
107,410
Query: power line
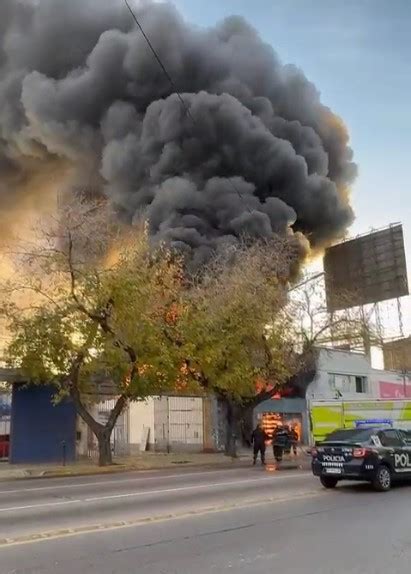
173,85
160,63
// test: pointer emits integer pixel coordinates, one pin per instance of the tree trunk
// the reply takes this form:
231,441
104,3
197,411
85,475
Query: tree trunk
105,457
102,433
246,424
230,439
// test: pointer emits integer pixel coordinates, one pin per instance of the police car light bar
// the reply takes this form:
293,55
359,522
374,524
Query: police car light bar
373,423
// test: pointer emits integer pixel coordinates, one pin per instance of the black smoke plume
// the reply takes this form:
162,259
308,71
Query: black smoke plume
80,87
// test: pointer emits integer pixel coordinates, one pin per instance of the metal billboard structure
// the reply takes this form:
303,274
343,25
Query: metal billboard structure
367,269
397,355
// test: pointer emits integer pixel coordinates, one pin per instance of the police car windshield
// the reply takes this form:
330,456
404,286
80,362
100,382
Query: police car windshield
350,435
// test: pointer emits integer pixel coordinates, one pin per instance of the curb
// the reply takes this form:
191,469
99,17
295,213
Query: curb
120,469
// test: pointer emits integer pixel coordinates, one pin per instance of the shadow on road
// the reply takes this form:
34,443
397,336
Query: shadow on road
361,487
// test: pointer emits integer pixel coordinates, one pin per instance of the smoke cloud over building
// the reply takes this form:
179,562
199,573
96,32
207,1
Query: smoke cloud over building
80,89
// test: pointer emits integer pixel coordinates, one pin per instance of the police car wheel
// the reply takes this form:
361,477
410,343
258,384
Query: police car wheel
328,481
382,479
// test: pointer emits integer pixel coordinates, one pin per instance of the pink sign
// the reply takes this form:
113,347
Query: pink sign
394,390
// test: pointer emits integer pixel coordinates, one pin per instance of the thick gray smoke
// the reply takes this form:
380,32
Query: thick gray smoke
80,86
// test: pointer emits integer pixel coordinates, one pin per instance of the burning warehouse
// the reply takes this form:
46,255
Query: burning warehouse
341,388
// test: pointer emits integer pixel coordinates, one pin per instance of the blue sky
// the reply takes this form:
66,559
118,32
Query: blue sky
358,53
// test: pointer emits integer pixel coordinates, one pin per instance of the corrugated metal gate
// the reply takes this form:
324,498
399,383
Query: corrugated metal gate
186,420
178,423
119,436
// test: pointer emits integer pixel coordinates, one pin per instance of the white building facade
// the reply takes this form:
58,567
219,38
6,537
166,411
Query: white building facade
348,375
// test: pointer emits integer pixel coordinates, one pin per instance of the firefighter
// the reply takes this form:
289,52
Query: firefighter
281,442
258,438
294,439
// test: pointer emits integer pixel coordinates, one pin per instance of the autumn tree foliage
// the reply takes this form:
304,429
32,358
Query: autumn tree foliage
97,304
91,306
237,329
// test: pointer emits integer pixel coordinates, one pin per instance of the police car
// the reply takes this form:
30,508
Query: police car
376,455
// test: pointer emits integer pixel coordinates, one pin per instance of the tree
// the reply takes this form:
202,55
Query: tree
314,325
254,333
93,304
235,329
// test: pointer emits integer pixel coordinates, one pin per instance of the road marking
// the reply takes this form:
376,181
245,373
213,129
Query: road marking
105,482
101,528
152,492
31,506
181,488
122,481
127,480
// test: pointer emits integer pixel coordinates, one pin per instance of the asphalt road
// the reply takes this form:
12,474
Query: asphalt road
45,506
283,521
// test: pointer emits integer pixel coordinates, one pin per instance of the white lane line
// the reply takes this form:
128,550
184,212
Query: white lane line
181,488
30,506
122,481
114,482
149,492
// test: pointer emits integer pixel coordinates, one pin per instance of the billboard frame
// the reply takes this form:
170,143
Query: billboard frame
366,269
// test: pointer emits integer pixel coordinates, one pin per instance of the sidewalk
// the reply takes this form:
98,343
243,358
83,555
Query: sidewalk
145,462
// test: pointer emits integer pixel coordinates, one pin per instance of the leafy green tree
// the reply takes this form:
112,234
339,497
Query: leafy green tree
92,306
236,330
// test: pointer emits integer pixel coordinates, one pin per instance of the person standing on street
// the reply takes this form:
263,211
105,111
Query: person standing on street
258,439
281,442
294,439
